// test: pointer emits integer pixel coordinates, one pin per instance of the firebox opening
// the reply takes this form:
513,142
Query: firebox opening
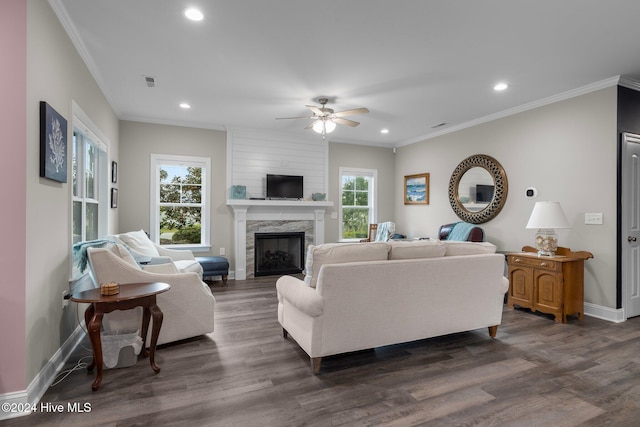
279,253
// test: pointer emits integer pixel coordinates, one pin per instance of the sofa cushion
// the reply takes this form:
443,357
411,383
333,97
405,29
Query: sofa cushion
123,254
139,242
416,249
468,248
338,253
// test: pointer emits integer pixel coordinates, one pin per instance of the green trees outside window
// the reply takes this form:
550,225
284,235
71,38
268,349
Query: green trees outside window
355,206
180,205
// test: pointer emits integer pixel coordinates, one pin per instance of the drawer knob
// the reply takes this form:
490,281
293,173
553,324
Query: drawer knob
517,260
544,264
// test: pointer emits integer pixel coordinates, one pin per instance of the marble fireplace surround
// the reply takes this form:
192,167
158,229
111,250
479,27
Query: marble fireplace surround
270,216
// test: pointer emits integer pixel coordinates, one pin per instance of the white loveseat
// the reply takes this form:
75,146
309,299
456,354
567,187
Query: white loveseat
144,250
367,295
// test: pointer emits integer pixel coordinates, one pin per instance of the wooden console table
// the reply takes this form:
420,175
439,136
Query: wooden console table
131,295
548,284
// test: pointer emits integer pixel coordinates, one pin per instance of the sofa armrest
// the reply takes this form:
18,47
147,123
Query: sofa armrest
167,268
301,296
175,254
505,284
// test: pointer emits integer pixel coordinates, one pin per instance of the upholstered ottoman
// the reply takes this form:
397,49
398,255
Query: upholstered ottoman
214,266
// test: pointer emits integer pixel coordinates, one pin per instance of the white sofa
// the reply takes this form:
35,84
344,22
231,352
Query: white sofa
143,249
188,307
366,295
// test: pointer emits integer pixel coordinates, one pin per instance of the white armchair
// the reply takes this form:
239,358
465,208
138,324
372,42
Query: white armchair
188,307
143,248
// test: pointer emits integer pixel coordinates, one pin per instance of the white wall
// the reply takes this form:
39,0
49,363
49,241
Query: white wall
13,113
566,150
362,157
253,155
138,142
56,74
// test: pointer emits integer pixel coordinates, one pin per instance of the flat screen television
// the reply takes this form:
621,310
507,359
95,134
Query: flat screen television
284,187
484,193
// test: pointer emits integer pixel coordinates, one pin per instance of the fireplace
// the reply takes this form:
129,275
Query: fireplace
278,253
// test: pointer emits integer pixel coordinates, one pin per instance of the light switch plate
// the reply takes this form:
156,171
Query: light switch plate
593,218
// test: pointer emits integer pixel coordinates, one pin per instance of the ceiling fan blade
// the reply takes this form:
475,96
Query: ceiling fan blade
351,112
316,110
344,121
287,118
310,125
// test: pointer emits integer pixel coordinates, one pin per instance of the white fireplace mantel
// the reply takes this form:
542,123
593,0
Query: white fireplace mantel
276,210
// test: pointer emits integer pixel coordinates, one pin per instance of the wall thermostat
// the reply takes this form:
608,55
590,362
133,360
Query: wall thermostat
531,192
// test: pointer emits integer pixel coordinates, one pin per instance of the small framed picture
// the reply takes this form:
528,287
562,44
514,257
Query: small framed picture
114,197
114,172
416,189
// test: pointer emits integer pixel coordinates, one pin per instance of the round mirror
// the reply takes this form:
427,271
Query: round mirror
478,189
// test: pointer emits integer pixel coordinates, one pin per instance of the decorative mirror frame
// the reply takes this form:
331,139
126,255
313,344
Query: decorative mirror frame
501,188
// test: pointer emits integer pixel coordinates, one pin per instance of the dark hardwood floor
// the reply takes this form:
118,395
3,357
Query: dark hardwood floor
536,372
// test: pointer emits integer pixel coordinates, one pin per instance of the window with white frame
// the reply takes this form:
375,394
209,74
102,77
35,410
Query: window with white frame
357,202
88,187
180,200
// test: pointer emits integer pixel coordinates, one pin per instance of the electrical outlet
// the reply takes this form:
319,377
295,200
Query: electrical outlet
65,302
593,218
223,251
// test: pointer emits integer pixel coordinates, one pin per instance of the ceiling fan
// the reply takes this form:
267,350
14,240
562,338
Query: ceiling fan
325,119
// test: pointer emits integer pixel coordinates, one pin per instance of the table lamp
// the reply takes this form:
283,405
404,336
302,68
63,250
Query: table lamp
546,216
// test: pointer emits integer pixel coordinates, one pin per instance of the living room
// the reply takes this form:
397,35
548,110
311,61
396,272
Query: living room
565,145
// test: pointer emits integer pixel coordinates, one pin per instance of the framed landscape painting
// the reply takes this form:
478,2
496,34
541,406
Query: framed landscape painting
53,144
416,189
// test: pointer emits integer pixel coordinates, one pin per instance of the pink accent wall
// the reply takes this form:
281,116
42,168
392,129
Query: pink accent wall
13,155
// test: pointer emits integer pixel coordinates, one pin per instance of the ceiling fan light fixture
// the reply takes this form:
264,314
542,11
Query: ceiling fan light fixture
323,126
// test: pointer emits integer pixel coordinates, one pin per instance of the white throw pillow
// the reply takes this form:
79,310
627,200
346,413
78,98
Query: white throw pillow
468,248
417,249
139,242
338,253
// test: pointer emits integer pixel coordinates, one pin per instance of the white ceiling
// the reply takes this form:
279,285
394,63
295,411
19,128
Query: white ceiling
413,63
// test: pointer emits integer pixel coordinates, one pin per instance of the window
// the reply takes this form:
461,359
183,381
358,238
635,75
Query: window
357,202
180,200
89,175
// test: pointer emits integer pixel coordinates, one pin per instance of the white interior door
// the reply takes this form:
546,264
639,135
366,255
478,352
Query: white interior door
631,225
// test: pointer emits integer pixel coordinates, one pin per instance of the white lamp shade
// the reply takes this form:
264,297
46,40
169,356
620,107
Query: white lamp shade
323,126
318,126
548,215
329,126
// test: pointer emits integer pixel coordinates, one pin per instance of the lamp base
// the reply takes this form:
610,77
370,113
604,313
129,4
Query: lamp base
546,242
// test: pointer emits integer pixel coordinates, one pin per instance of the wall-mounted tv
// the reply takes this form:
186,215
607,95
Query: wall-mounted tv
484,193
284,187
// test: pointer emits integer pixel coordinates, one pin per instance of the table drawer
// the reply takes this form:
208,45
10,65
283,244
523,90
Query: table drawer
547,264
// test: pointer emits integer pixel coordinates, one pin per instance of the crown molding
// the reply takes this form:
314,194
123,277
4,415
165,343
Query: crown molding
613,81
629,83
74,35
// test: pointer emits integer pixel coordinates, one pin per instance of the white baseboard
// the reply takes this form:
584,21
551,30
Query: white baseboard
615,315
38,387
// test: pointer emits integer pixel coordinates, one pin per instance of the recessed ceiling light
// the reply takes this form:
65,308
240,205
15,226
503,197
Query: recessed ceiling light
194,14
385,131
185,105
500,86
